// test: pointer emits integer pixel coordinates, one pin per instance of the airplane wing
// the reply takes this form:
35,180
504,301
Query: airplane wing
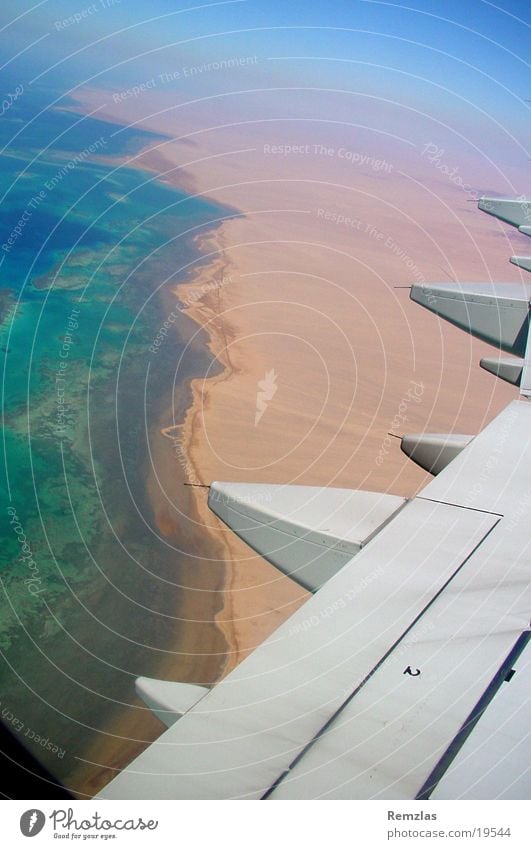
406,674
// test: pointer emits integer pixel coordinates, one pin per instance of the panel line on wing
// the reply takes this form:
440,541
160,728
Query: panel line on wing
471,721
461,506
380,663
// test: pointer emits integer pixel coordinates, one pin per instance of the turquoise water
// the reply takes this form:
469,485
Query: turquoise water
84,287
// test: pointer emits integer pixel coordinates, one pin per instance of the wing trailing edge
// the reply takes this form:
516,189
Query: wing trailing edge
515,211
497,313
379,685
307,532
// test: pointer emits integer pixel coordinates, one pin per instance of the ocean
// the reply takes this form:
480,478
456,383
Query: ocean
90,251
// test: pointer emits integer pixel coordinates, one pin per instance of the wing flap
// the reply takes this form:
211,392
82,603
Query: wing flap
434,451
168,700
515,211
307,532
522,262
247,731
497,313
494,761
402,731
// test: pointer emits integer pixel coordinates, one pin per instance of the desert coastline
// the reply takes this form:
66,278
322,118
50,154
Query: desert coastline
244,623
299,283
302,281
213,218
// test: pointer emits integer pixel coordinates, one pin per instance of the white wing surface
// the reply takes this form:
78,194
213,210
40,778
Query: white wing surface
406,674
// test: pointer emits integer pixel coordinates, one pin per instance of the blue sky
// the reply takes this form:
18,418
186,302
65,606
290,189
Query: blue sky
473,32
462,62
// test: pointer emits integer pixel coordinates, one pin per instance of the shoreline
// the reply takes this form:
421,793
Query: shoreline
128,731
338,442
284,287
117,637
246,574
201,300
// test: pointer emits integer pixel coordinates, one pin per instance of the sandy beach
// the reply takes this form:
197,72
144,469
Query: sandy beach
350,357
297,287
303,283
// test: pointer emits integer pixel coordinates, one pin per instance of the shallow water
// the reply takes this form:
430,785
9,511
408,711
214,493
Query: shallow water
90,589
